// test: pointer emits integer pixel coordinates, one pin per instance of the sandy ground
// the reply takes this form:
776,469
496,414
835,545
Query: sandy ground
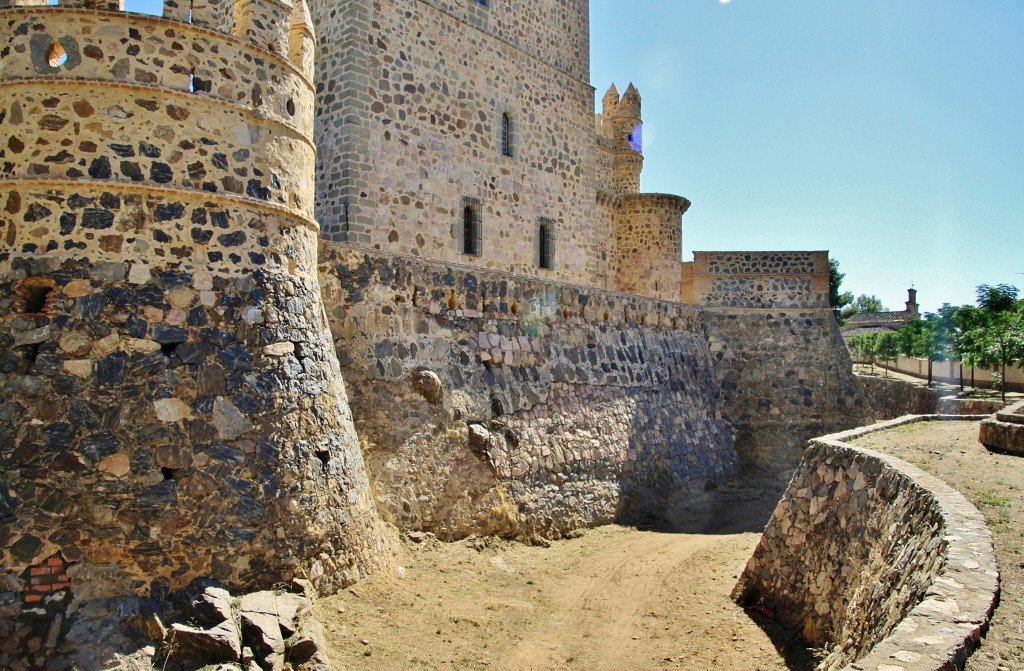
613,598
995,484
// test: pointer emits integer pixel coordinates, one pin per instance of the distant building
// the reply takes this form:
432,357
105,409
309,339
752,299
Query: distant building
864,323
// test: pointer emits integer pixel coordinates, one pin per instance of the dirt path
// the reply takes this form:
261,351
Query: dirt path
615,598
995,484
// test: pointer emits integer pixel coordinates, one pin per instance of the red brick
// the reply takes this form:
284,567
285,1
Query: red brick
60,585
55,561
39,570
32,598
63,577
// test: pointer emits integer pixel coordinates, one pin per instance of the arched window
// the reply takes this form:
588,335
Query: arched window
471,225
546,244
506,134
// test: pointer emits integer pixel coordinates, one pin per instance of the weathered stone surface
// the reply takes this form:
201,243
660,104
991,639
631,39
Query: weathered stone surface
171,409
220,643
1005,431
871,558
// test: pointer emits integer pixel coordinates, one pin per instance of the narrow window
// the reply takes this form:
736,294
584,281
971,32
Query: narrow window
506,135
546,244
471,227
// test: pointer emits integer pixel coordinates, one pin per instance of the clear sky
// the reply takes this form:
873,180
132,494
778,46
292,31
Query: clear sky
889,132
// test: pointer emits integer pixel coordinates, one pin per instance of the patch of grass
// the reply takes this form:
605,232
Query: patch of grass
993,500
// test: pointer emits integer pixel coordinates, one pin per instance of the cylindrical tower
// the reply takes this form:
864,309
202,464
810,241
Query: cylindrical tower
171,402
649,244
627,132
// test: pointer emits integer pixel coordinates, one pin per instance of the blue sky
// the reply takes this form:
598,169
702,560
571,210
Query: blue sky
888,132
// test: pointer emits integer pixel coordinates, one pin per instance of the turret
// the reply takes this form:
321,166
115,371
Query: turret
626,131
172,405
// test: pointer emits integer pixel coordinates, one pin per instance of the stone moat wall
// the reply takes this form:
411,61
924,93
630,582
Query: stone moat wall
875,561
491,403
784,376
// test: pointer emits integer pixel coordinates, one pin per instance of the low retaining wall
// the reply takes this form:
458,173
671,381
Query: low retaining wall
1005,431
889,398
875,561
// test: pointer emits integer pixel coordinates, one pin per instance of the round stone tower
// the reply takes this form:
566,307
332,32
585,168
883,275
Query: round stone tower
627,134
171,402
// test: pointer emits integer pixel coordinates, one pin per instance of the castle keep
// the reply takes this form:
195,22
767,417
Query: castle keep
245,272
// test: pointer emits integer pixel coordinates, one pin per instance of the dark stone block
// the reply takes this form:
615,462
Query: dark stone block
235,357
135,327
122,150
119,296
169,211
67,385
162,333
216,336
110,201
150,294
132,171
232,239
26,547
149,150
158,497
97,219
110,368
68,221
99,168
161,173
175,278
142,461
36,212
83,413
201,236
58,436
193,353
98,445
89,307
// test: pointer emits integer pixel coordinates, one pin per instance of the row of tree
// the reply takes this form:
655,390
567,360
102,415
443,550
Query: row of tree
987,335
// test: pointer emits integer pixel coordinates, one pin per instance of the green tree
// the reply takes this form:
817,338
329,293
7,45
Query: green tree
835,299
1004,328
863,346
926,338
863,303
887,347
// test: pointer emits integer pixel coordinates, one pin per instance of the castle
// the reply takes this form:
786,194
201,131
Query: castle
261,290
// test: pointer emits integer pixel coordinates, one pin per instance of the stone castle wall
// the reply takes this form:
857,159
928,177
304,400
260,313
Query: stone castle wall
491,403
759,280
167,377
871,559
410,133
784,376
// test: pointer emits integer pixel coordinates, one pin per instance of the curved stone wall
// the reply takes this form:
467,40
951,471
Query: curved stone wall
875,561
172,405
493,403
648,244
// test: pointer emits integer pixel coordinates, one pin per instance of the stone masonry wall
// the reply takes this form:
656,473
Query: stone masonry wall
784,376
411,96
491,403
760,280
167,379
875,561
